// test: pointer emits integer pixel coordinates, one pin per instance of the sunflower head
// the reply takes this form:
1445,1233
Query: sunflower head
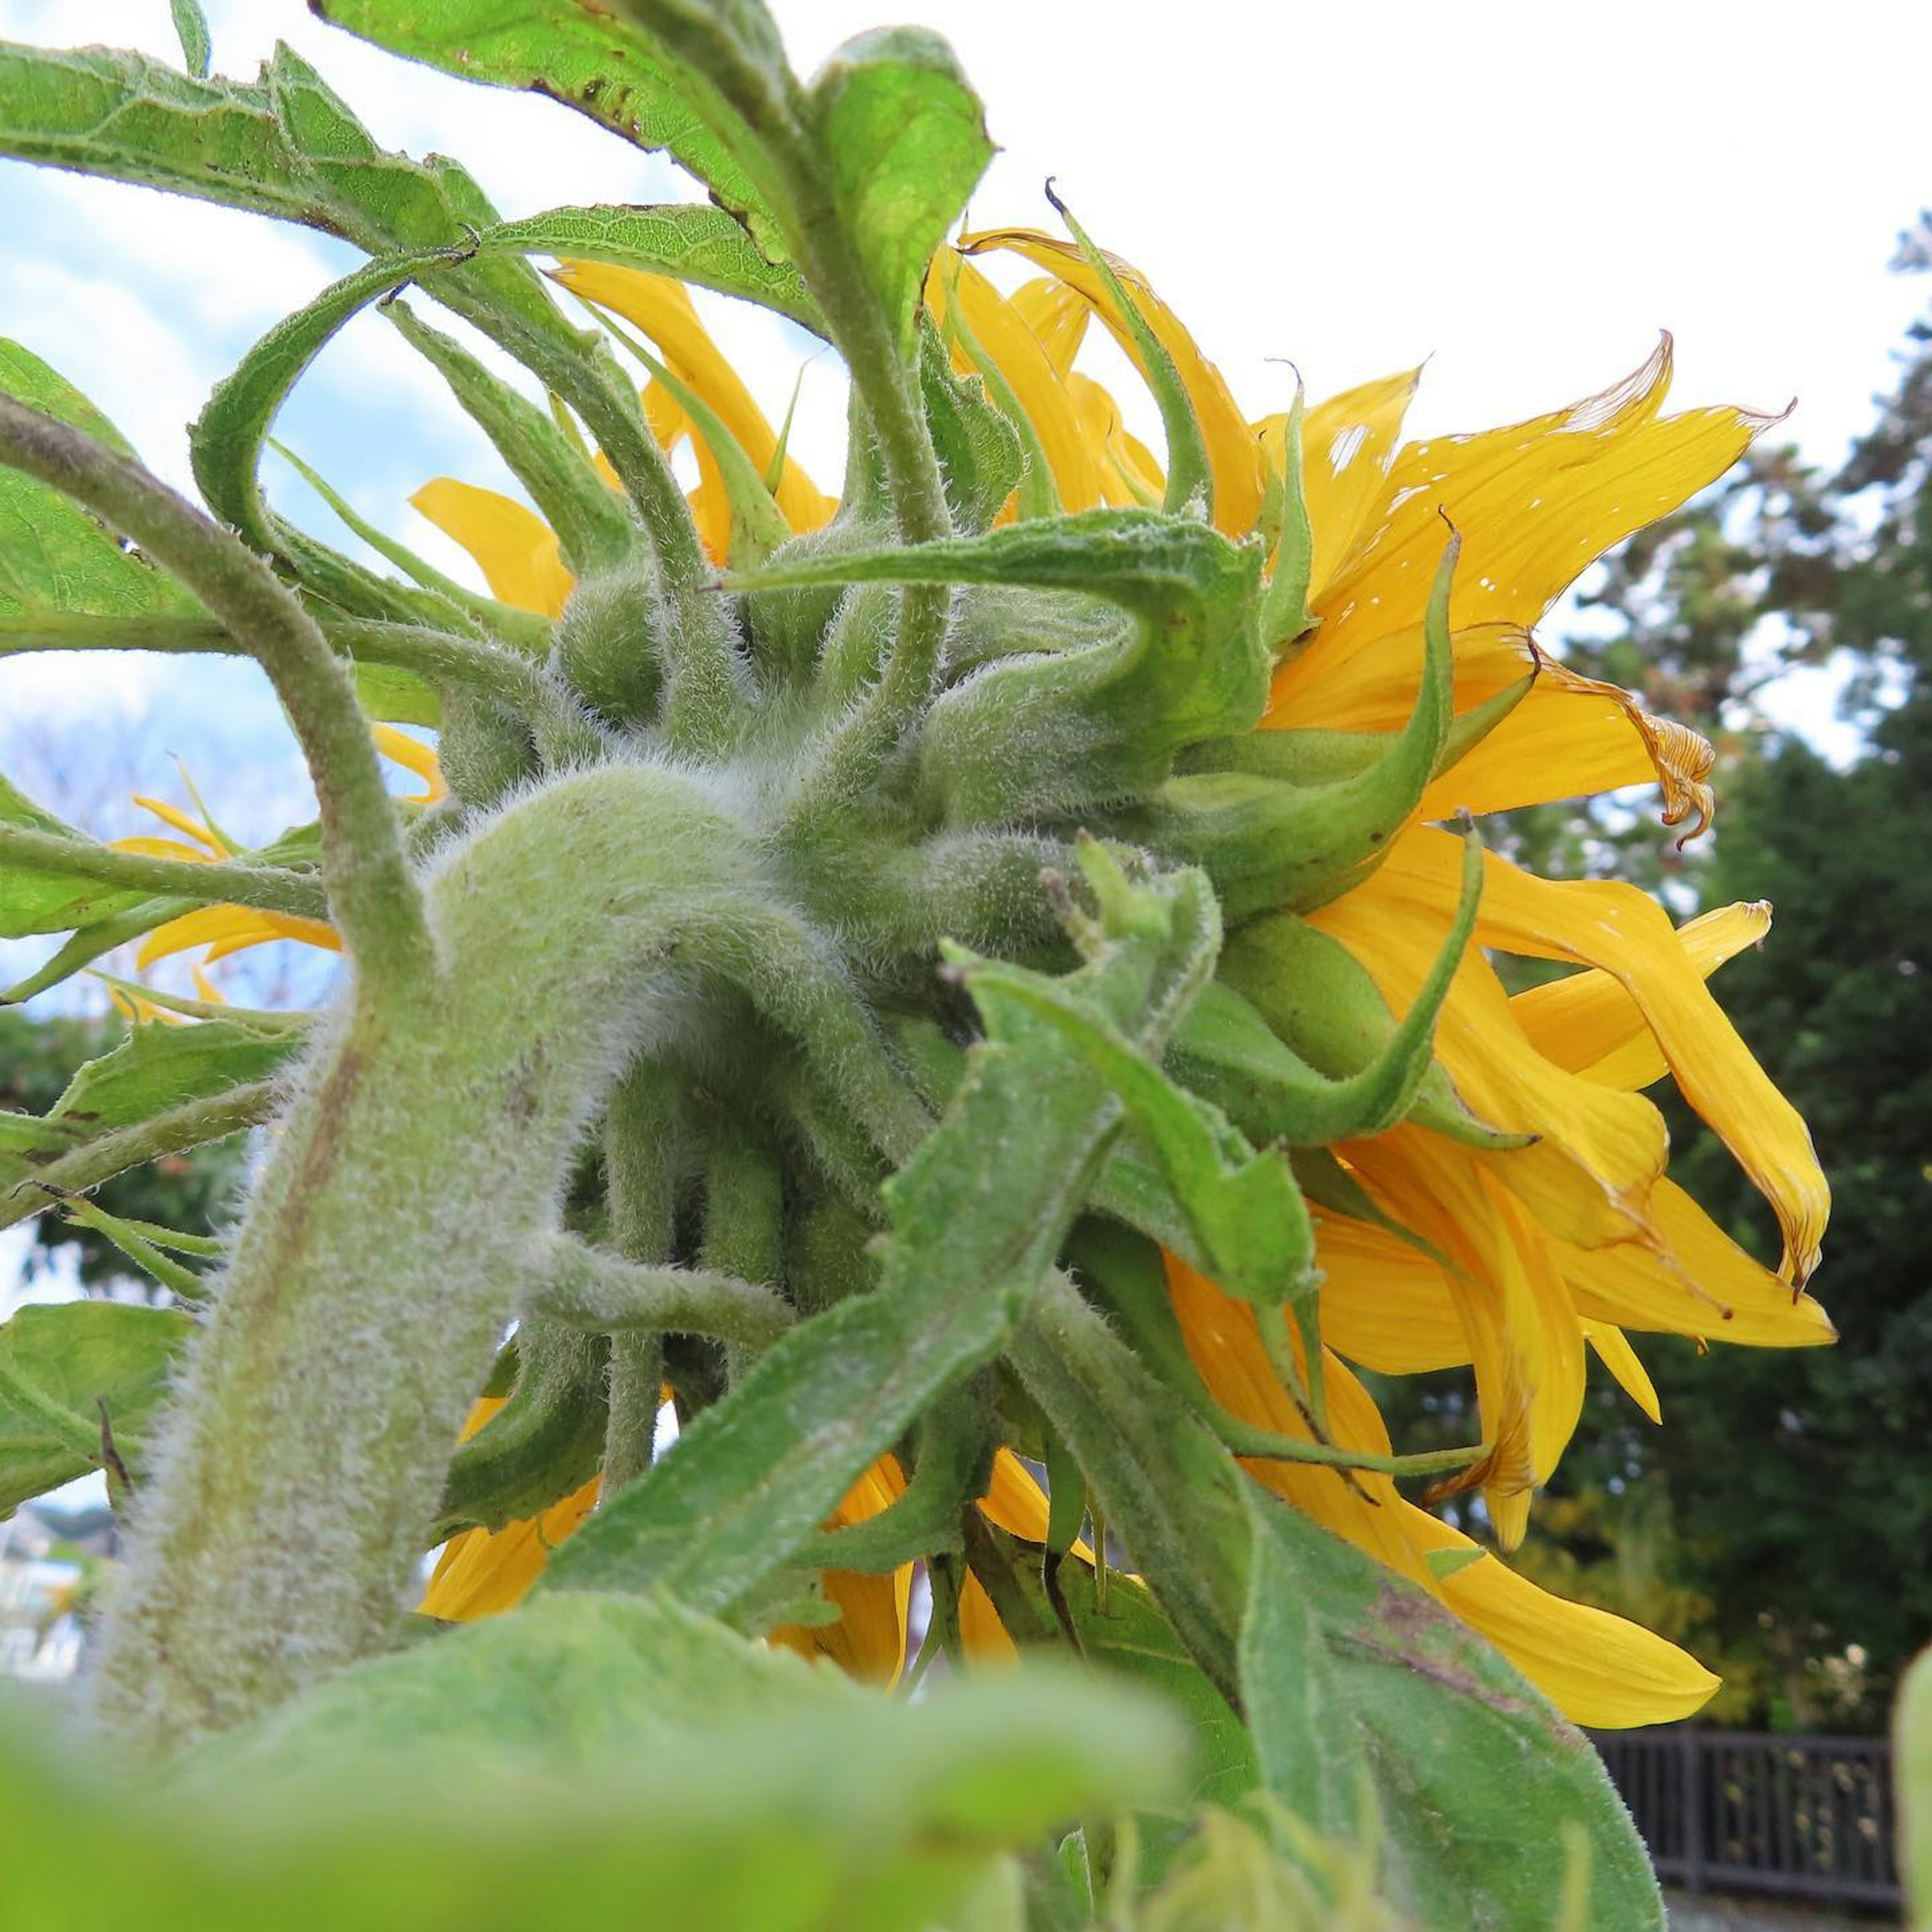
986,975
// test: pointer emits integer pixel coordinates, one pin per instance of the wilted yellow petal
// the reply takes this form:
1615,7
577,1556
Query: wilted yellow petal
1698,1281
1605,923
1535,504
1509,1293
513,546
1589,1024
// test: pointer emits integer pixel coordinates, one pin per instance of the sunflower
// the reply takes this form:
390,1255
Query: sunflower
1526,1221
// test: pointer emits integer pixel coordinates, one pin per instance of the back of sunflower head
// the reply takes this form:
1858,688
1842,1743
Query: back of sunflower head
797,1007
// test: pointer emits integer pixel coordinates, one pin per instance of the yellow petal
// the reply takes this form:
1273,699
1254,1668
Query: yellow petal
1346,445
163,848
1589,1024
1126,471
1607,924
1234,456
1535,503
513,546
202,836
1568,738
1058,316
1225,1346
1590,1172
982,1635
1698,1281
1510,1297
231,929
1598,1670
413,755
1613,1349
663,309
1384,1304
868,1640
484,1572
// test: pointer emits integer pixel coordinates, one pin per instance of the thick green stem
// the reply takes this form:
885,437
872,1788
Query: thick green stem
586,1287
644,1135
426,1146
374,900
267,888
191,1124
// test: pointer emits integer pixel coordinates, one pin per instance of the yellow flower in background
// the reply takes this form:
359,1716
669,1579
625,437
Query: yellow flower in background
1529,1259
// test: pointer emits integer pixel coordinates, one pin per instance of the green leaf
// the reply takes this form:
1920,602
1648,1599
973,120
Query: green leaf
32,901
544,1444
1131,1638
89,941
1244,1209
1911,1736
581,1762
978,447
226,439
597,61
132,1239
1285,614
1269,842
1354,1682
757,526
159,1066
54,556
904,140
283,146
690,241
191,29
1190,477
63,1369
594,530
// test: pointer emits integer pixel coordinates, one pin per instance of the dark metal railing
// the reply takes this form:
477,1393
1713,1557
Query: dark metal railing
1808,1817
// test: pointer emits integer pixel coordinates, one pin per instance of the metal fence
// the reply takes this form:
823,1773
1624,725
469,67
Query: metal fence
1805,1817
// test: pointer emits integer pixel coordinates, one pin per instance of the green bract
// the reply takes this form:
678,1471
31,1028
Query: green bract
808,973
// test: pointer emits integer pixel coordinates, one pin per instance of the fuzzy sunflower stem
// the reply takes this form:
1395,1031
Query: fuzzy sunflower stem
266,888
373,898
392,1249
644,1129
